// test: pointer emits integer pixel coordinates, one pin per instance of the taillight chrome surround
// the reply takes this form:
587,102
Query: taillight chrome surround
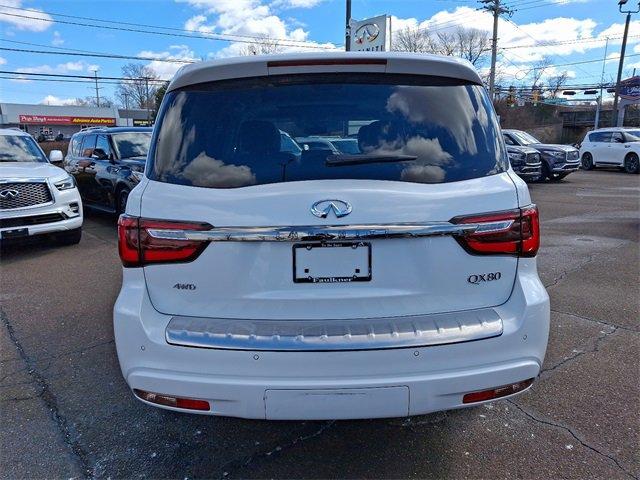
143,241
518,232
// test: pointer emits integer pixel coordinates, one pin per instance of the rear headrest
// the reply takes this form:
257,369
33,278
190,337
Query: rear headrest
259,136
377,134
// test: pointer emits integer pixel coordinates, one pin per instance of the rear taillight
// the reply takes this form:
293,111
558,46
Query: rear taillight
138,247
512,232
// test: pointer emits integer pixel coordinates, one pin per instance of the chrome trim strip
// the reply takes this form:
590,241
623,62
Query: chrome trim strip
23,180
323,335
330,232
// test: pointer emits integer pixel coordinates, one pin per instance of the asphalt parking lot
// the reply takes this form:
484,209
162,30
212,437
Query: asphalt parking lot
67,412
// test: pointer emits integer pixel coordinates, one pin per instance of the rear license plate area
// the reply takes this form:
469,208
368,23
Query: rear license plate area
332,262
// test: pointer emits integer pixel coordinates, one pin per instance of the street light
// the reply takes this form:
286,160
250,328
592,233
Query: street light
622,3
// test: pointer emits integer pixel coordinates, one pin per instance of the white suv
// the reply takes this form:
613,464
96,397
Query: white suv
394,281
36,197
612,147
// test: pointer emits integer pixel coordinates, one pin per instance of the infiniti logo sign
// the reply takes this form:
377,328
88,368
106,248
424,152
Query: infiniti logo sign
367,33
8,194
339,208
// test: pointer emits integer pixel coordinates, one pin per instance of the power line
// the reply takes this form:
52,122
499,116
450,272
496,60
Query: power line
564,42
209,36
91,77
98,55
212,36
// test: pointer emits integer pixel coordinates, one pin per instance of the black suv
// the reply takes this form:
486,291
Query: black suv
558,161
107,163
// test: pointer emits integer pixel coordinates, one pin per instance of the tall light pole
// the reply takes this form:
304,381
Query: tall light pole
599,104
621,3
347,32
95,76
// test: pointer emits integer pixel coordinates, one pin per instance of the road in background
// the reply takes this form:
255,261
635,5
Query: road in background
67,412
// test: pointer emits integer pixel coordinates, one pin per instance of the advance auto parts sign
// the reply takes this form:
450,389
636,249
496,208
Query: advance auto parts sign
63,120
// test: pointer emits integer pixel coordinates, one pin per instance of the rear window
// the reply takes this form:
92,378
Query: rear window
407,128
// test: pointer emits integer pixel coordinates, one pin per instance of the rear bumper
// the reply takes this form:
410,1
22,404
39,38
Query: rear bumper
318,385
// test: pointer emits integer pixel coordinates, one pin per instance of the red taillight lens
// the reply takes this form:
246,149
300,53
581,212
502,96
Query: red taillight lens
497,392
137,247
169,401
519,235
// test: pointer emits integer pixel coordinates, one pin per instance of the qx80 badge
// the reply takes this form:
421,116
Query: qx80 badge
479,278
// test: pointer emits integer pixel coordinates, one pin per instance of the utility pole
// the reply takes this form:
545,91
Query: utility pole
147,100
599,105
621,3
126,105
95,75
497,9
347,34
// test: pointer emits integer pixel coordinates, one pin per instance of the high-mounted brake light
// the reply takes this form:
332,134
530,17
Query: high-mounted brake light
517,233
170,401
498,392
138,248
326,61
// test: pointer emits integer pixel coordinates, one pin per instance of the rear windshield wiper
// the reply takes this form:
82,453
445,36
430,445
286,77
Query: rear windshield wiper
340,160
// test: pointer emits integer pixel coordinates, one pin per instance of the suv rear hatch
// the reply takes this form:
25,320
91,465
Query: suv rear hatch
429,154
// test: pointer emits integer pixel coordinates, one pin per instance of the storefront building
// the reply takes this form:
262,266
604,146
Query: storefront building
48,122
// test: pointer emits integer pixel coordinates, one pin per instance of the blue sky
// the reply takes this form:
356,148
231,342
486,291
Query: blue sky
579,25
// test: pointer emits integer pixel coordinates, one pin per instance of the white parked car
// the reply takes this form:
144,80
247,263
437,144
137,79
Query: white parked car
36,197
396,281
612,147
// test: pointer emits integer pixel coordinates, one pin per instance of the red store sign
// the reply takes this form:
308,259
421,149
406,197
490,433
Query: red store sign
63,120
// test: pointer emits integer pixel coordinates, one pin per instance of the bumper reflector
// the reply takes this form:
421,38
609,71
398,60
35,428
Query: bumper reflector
169,401
497,392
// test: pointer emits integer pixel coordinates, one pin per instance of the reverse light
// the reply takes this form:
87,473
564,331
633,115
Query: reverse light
520,235
498,392
170,401
138,248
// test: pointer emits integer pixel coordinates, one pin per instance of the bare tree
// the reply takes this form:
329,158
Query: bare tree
556,83
138,91
411,40
264,46
468,43
538,71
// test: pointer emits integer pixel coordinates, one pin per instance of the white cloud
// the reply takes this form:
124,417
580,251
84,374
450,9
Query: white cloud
57,39
53,100
63,68
3,61
166,70
21,23
252,18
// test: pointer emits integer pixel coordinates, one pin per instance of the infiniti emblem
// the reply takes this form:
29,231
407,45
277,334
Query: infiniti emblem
8,194
322,208
367,33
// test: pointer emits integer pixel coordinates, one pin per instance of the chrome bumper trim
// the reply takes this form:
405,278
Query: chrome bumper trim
330,232
334,335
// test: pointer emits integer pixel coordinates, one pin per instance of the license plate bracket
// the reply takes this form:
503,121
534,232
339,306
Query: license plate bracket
15,233
332,262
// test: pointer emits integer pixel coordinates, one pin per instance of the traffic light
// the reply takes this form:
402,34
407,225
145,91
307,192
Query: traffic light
511,97
535,96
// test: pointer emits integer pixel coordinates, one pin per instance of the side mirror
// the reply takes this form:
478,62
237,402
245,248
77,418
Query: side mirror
55,156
